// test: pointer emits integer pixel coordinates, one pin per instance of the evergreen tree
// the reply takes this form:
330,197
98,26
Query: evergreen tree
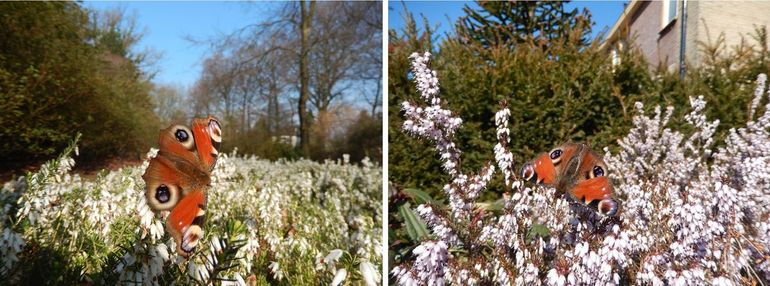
509,23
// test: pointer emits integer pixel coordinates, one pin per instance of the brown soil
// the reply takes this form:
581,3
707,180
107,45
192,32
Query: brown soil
86,171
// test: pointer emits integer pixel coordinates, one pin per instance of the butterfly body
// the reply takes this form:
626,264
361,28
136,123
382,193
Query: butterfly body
577,171
178,177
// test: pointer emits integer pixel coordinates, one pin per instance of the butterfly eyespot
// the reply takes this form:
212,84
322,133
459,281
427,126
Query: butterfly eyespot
598,171
182,135
555,156
162,197
215,130
162,194
528,172
608,207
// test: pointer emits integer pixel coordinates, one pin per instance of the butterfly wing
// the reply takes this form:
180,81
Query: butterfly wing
185,223
576,170
174,171
163,184
539,170
547,168
208,137
177,178
591,185
591,190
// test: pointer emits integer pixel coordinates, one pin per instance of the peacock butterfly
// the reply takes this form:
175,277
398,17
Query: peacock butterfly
178,178
576,170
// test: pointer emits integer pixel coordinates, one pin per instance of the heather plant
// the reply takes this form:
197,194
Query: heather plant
553,78
692,213
282,222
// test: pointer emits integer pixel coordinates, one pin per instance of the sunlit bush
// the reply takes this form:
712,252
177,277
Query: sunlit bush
284,222
690,214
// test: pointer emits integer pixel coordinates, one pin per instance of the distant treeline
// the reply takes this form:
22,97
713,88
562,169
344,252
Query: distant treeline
65,70
316,63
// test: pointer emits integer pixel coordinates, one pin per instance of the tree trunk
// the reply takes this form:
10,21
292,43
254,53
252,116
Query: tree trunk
377,94
306,16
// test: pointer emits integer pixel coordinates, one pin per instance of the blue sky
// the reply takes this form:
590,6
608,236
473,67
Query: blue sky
167,24
444,14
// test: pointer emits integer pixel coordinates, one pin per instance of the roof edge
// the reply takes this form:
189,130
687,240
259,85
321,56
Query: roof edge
632,6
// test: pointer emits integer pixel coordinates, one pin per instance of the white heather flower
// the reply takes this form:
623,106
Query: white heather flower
404,276
686,206
275,268
369,274
58,204
339,276
333,256
758,92
431,262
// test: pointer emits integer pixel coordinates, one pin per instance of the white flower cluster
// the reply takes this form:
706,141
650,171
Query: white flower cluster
291,211
11,242
429,266
690,215
438,125
503,157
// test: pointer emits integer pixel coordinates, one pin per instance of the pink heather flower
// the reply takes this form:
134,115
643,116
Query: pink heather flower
691,214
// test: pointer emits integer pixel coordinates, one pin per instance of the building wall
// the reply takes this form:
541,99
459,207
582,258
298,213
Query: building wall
707,19
643,29
668,41
659,44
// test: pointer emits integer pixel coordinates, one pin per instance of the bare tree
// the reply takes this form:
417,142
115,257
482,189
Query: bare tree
348,49
306,17
307,56
169,101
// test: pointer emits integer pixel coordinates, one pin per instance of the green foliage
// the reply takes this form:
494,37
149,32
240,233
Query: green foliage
57,78
411,162
363,138
538,230
224,251
419,196
509,23
415,227
725,79
561,90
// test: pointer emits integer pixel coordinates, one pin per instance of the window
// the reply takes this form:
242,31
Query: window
669,12
615,55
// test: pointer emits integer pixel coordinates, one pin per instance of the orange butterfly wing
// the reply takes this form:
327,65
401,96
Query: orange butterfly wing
598,188
597,192
572,171
540,170
545,169
185,223
178,177
207,139
163,184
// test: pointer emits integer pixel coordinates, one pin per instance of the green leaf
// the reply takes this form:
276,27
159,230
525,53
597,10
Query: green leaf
495,206
538,230
420,197
415,226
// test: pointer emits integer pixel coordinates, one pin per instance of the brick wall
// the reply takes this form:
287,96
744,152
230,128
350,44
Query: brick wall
705,21
735,19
